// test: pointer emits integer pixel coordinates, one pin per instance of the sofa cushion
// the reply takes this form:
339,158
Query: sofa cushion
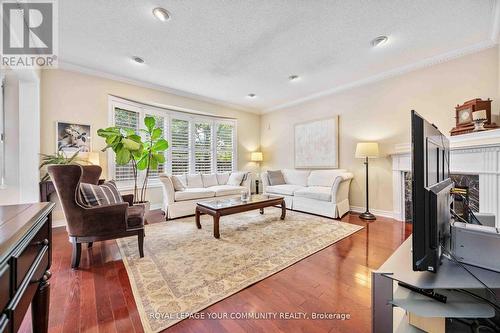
296,177
179,182
322,193
194,181
324,177
222,190
236,178
222,178
286,189
193,194
209,180
275,177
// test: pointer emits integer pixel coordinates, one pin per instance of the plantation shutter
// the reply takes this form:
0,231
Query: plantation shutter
225,147
180,146
160,122
127,120
203,147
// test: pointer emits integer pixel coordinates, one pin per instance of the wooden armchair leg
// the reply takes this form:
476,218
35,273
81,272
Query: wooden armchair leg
76,254
140,239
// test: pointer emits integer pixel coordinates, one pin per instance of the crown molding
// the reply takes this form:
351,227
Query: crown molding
68,66
391,73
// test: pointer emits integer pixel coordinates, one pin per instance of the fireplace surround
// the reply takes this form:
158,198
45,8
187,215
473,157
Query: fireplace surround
473,156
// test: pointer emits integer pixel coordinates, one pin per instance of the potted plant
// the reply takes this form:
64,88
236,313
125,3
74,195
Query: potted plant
57,158
129,147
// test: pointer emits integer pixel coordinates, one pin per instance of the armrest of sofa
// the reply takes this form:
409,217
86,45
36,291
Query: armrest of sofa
168,190
247,181
264,180
340,187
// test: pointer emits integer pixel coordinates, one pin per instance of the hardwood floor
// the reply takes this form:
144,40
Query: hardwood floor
98,297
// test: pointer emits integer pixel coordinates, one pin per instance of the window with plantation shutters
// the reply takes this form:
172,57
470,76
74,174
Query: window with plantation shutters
202,147
224,147
127,120
198,143
179,146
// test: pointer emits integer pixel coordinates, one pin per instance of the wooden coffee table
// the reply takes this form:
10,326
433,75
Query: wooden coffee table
222,207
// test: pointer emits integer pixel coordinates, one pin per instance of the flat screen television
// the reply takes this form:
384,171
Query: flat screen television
431,186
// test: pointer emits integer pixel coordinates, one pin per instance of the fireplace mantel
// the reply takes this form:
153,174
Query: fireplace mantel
473,153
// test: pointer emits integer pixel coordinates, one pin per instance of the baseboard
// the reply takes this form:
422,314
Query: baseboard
156,206
58,223
377,212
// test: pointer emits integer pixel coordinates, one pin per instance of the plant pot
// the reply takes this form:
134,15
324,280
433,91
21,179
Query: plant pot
145,204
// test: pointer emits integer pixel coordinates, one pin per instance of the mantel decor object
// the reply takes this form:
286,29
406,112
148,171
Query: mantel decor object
468,119
479,118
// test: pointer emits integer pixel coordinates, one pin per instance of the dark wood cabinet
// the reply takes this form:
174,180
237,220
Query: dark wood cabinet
25,258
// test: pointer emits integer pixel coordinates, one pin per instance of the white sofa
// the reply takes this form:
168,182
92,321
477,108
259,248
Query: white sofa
321,192
182,192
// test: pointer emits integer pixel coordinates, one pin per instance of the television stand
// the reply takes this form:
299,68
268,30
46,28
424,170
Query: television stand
426,292
389,299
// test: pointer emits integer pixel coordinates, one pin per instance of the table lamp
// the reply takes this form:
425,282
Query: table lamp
93,158
257,157
367,150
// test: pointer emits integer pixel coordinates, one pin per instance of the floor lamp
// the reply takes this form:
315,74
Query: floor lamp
367,150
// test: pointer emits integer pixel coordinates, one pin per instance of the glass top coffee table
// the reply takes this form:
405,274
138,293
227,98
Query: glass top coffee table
221,207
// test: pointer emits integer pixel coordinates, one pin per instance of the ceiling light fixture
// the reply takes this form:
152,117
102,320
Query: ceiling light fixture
379,41
138,60
251,95
293,78
161,14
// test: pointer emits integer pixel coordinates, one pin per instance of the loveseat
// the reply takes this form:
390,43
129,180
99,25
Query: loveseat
321,192
182,192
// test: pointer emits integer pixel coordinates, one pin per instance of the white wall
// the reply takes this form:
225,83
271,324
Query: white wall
381,112
22,140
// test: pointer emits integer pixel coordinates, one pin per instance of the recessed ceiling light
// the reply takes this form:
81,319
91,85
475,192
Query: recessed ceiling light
138,60
251,95
161,14
378,41
293,77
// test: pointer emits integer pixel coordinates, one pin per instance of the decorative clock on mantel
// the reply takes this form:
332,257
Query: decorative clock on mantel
463,116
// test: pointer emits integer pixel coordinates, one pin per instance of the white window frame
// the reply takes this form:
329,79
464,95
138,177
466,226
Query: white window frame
168,114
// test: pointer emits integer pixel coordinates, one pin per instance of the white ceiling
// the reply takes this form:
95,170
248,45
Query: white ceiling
223,50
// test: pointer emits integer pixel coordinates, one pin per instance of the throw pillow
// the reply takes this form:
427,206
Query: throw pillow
235,178
179,182
209,180
194,181
276,177
91,195
222,178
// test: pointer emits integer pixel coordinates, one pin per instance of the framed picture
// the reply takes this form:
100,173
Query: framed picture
73,137
317,144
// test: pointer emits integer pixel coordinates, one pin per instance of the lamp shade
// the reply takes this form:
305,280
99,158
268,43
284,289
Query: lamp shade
256,156
94,158
367,149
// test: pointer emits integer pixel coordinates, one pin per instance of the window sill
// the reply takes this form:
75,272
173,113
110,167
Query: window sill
129,187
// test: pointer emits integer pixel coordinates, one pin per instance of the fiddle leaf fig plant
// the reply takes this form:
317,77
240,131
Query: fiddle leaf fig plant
153,153
126,145
143,153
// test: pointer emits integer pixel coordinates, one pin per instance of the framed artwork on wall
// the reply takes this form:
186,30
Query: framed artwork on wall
73,137
316,144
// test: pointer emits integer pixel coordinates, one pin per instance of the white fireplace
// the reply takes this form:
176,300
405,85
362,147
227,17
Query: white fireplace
471,154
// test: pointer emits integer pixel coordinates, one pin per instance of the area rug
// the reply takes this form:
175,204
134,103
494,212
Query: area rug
186,269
